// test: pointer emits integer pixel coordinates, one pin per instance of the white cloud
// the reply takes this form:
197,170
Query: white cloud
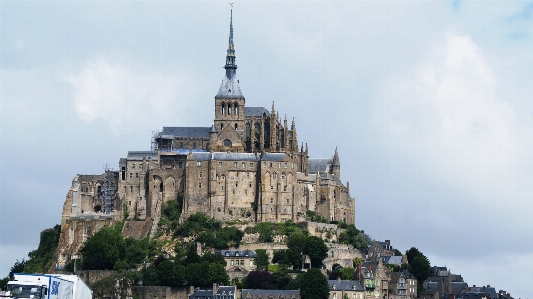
121,96
446,111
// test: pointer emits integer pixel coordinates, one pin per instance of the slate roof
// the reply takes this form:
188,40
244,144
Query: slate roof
230,88
140,155
256,111
241,253
224,156
202,132
470,295
432,287
223,292
266,293
395,276
459,286
345,285
316,165
393,260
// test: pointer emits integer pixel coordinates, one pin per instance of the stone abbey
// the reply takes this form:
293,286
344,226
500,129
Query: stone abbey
247,166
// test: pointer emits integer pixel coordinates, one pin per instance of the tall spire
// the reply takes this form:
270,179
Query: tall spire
230,56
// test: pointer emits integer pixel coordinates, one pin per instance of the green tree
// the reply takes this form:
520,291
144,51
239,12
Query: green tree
356,238
412,253
217,273
313,285
347,273
170,274
261,261
419,267
150,276
103,250
42,257
266,234
316,249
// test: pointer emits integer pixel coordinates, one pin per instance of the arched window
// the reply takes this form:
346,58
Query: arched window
236,126
221,126
223,106
236,109
229,109
274,175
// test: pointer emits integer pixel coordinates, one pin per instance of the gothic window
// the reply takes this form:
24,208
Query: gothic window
199,163
223,107
236,109
229,109
274,175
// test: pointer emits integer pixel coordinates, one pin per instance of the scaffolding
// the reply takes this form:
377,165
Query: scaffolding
155,146
109,189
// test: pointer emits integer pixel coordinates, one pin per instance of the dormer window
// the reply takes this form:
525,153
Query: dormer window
236,253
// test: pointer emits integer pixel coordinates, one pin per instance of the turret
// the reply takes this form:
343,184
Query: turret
336,165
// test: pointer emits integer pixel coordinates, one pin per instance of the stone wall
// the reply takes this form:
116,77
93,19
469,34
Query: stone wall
156,292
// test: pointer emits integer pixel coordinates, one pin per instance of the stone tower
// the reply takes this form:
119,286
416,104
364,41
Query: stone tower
229,104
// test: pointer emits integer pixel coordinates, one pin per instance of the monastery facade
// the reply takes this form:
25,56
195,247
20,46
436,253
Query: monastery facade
247,165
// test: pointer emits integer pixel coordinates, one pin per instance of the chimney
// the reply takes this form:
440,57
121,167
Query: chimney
387,241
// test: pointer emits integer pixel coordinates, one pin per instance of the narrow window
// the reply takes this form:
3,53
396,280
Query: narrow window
279,165
222,110
221,126
199,185
200,174
123,173
251,165
133,166
271,187
270,164
131,189
243,164
234,164
141,166
222,187
271,201
287,201
194,145
235,126
131,175
199,163
219,164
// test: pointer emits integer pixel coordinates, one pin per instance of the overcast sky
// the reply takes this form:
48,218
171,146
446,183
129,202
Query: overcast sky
429,103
